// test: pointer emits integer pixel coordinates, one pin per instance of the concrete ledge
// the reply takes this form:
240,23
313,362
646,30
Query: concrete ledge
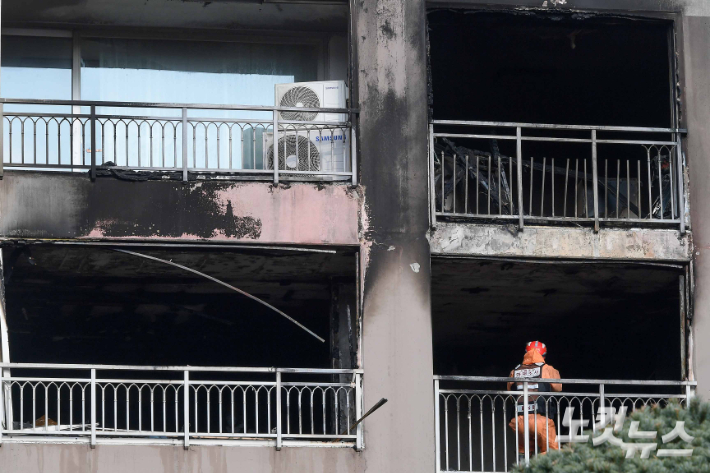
69,206
560,242
151,459
573,5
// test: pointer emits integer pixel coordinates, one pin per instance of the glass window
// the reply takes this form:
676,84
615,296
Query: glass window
36,68
205,72
191,72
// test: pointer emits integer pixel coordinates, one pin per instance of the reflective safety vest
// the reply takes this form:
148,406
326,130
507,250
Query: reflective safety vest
536,404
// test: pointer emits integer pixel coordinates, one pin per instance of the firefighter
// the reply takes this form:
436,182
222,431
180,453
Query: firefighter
541,410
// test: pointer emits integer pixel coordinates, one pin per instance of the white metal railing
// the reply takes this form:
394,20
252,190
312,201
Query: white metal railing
184,138
473,414
556,173
101,404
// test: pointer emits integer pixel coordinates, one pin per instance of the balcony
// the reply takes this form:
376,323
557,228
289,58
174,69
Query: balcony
598,321
119,405
557,174
107,343
473,412
548,123
179,91
105,138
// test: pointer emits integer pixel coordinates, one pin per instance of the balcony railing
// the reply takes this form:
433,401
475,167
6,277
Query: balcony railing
239,142
537,173
99,404
473,415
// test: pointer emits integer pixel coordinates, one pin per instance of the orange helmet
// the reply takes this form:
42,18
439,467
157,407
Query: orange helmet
539,346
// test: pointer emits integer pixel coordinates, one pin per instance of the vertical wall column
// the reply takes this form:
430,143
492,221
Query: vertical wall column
343,340
6,404
343,326
77,144
696,97
397,339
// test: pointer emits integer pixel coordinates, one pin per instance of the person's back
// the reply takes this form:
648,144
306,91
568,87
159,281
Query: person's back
541,409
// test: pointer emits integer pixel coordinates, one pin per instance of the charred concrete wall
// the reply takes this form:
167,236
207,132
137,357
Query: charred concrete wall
627,6
52,206
555,242
397,338
696,88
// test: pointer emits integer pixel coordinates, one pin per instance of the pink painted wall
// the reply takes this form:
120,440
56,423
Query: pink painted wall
65,206
301,214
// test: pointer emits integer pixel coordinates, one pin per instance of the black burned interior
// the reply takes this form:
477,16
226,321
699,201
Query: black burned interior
553,69
93,305
69,304
534,68
599,321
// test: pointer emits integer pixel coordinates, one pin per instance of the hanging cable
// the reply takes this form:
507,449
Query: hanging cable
246,294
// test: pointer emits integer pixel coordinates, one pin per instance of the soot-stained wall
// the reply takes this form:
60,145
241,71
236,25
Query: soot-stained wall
390,41
45,205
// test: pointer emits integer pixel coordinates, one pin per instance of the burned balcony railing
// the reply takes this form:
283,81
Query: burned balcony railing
99,404
80,135
518,172
473,414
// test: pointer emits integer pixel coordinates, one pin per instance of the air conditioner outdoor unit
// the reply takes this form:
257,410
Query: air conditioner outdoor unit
309,147
317,150
324,94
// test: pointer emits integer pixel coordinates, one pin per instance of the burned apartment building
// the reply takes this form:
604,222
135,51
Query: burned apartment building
230,228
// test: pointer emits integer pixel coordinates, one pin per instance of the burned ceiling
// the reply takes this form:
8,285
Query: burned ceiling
545,68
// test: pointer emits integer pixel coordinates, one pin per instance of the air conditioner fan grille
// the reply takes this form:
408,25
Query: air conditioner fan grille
296,153
300,97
